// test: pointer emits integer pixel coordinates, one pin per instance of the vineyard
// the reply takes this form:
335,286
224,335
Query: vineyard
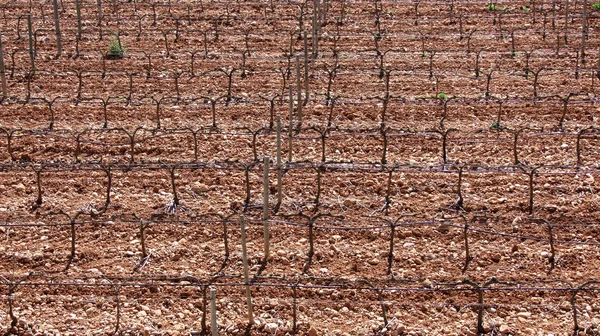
382,167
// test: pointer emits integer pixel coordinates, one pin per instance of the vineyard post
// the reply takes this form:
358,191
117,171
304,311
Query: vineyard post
245,262
477,70
544,27
305,72
584,31
291,127
57,27
78,38
72,255
294,305
417,3
31,51
553,14
213,313
99,20
566,28
578,56
279,171
266,206
314,28
3,70
299,91
460,27
597,65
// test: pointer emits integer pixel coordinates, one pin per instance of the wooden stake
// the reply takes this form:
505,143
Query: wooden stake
266,206
584,31
57,26
305,75
213,313
291,127
245,261
3,70
31,51
299,89
314,27
279,171
78,10
100,19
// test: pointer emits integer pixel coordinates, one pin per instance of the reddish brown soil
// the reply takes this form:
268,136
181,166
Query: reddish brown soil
543,258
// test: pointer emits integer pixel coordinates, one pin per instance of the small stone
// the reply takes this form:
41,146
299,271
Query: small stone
505,329
524,314
141,313
176,257
129,254
157,312
20,187
496,257
281,253
565,305
427,283
312,331
374,261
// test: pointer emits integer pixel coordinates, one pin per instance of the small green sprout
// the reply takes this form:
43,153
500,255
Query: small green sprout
526,9
115,48
596,6
495,125
442,96
492,7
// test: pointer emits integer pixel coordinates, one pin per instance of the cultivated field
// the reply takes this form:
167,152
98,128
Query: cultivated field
385,167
